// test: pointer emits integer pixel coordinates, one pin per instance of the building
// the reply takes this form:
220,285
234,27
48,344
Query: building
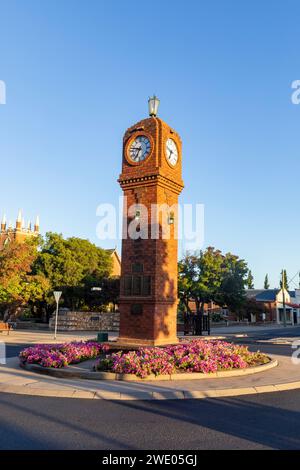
116,262
272,300
20,232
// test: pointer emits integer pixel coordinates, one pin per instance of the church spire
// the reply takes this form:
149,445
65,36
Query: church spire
19,220
37,224
3,223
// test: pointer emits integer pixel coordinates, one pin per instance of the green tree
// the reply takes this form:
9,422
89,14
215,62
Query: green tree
72,265
19,285
249,281
234,279
251,306
109,294
211,276
266,282
283,275
185,282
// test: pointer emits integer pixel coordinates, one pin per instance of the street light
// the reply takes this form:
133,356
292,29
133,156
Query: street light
57,295
153,104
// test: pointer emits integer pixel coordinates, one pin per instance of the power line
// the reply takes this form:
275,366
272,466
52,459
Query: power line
292,279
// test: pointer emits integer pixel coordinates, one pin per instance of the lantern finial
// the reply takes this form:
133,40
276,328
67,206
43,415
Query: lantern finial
153,104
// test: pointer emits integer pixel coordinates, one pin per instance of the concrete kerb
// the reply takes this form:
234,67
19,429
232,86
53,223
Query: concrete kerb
61,390
89,375
138,395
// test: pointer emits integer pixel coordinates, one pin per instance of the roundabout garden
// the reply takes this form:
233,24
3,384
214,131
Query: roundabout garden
198,357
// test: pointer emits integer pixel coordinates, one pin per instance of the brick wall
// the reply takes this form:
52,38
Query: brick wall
86,321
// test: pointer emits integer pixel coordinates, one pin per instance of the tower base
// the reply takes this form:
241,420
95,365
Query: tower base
128,343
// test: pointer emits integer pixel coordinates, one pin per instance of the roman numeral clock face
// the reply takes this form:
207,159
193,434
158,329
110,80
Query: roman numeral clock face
139,148
171,152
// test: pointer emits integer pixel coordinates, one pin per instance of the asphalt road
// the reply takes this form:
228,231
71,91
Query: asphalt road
266,421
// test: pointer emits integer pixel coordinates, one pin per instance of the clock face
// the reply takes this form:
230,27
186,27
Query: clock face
172,152
139,148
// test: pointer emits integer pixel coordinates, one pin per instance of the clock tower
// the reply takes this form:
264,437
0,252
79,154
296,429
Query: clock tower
151,182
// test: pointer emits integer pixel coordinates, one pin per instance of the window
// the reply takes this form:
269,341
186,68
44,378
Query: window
137,285
127,285
146,290
137,268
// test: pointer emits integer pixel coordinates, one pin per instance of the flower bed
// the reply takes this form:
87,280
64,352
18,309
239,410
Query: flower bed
61,355
194,356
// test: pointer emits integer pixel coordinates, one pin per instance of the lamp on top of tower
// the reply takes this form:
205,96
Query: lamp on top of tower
153,104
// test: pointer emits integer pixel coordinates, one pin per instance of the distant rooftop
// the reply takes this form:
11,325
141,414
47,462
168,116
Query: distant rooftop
262,295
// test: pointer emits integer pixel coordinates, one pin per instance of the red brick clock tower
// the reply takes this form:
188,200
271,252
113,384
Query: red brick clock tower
151,176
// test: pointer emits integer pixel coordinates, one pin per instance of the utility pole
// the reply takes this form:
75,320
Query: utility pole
283,298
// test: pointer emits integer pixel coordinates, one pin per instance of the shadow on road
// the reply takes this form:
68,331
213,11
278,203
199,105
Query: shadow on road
260,421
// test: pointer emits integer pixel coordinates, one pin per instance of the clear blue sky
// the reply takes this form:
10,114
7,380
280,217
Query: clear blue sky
78,73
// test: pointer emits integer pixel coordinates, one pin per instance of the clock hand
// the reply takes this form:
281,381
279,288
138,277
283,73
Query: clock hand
137,153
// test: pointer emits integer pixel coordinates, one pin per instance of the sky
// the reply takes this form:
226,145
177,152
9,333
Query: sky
79,73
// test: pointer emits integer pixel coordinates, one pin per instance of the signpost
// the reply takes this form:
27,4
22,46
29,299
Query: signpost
57,295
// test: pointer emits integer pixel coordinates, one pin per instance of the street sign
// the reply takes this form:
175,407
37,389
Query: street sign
57,295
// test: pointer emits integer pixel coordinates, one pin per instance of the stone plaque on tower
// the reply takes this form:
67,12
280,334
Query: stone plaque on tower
151,182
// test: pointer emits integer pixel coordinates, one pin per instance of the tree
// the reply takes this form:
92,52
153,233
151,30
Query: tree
109,294
283,276
232,289
251,306
266,282
249,281
72,265
200,276
185,282
18,284
211,276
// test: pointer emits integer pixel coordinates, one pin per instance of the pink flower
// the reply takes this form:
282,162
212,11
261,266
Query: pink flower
194,356
61,355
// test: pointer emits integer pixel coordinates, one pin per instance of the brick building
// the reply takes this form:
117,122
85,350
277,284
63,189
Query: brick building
272,300
19,232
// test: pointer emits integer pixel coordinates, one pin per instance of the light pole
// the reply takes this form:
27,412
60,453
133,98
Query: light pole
57,295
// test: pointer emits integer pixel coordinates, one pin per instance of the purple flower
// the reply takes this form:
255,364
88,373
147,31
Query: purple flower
194,356
61,355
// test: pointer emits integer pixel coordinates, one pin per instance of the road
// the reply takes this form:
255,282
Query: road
266,421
